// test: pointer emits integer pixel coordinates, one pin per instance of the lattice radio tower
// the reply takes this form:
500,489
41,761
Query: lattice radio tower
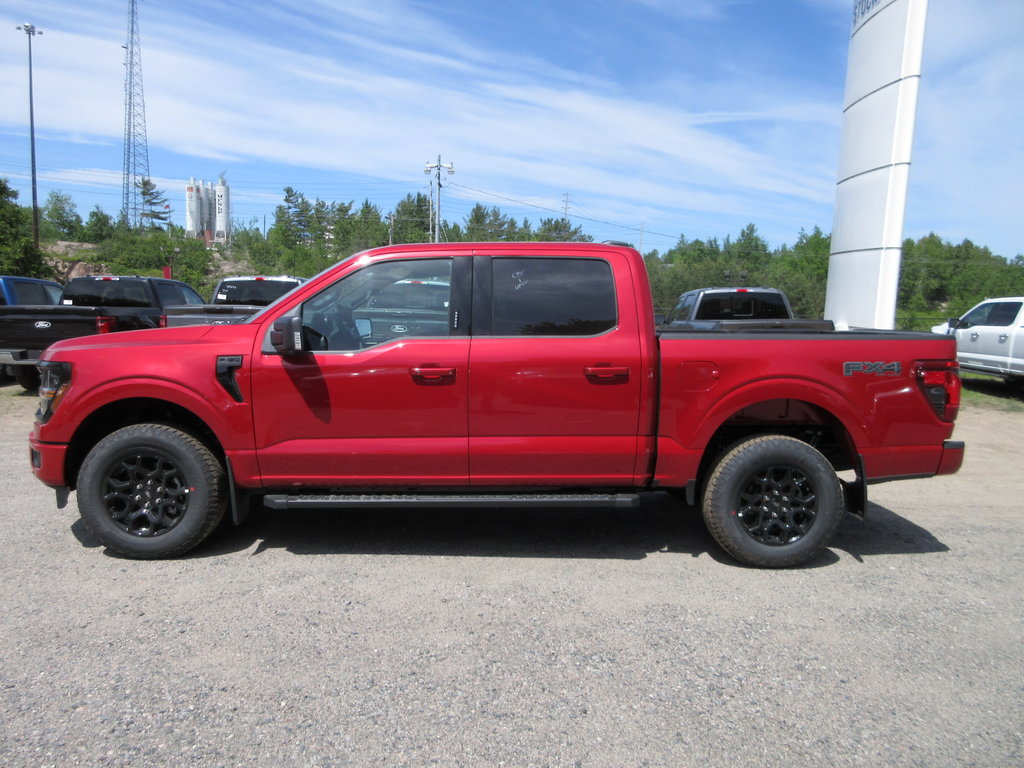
136,152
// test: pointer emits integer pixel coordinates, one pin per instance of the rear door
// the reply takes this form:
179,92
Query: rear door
556,372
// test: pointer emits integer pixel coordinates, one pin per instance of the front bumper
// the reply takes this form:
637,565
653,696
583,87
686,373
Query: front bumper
47,460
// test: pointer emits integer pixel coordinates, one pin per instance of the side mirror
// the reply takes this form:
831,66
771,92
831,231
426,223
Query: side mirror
954,323
659,319
286,335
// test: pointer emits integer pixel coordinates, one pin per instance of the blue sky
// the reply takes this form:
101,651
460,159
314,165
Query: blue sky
644,119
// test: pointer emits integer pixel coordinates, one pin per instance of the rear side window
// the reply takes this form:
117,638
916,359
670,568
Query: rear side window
999,313
552,297
1004,313
684,307
172,294
26,292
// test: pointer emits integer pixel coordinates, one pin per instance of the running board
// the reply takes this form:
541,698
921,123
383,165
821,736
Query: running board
448,501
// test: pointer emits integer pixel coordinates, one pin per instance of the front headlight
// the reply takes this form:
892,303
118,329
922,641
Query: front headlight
54,380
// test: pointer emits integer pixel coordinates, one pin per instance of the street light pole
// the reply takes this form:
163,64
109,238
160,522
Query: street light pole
31,31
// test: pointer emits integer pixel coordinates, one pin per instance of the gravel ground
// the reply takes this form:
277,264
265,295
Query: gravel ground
520,638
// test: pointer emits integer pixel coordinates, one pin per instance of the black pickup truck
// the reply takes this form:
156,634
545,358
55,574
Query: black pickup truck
88,305
235,299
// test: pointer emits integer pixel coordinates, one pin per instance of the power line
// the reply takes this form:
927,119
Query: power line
625,227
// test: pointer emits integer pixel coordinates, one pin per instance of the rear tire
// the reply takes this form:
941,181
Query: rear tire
773,501
151,491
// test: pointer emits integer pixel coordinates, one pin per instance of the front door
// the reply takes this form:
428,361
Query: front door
379,399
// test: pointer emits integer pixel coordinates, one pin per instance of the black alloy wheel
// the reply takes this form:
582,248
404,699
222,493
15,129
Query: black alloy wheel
773,501
151,490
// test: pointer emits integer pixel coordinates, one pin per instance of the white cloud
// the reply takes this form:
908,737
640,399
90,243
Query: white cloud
740,129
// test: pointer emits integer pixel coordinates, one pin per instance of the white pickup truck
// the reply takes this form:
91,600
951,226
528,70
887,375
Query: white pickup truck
990,338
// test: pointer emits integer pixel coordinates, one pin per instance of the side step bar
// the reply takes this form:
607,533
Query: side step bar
448,501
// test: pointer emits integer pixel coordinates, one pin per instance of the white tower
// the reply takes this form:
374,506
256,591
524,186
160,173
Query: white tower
883,72
193,223
222,212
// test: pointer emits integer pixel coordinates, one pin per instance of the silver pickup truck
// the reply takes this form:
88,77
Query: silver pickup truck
709,309
990,338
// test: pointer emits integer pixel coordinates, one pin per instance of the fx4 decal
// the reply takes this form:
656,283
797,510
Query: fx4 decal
874,369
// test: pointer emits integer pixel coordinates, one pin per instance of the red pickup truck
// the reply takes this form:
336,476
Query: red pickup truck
483,375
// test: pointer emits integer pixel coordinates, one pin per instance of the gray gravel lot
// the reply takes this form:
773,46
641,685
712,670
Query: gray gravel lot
520,638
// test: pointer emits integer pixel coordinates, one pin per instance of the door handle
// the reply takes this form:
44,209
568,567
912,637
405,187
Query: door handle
1003,337
607,373
974,336
429,374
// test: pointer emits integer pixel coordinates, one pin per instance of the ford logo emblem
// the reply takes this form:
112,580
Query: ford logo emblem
397,328
42,324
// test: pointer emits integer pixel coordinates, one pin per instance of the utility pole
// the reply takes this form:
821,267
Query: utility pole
31,31
136,150
436,168
430,208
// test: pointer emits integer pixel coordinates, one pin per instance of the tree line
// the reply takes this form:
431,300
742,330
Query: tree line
937,278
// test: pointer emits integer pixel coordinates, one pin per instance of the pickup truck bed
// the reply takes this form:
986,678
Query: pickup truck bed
488,374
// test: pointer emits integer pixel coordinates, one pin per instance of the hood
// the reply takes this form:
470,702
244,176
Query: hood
156,337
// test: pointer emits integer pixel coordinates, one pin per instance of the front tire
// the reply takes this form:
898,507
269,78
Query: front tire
773,501
151,491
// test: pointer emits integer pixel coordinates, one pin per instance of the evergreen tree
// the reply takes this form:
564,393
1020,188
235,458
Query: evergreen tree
18,254
156,211
410,221
368,229
561,230
484,224
802,272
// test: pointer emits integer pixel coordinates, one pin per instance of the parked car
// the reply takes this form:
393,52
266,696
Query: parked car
990,338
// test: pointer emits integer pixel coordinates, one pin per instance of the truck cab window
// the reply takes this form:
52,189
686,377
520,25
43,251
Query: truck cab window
1000,313
552,297
1004,313
380,303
